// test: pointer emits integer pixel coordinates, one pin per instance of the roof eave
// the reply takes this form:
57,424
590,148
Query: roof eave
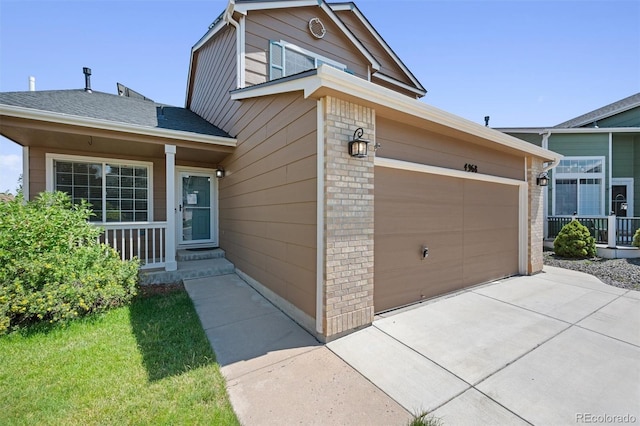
74,120
569,130
327,79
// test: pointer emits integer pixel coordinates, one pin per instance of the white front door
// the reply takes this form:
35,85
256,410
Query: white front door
197,208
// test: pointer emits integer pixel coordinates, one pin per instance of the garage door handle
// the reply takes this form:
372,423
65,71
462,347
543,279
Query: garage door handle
425,252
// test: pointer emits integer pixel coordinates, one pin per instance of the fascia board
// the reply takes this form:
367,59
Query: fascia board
264,5
400,84
380,40
72,120
375,65
580,130
208,35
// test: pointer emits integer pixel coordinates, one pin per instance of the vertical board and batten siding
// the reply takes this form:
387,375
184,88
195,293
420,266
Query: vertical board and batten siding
622,156
292,26
470,228
268,197
388,66
400,141
214,77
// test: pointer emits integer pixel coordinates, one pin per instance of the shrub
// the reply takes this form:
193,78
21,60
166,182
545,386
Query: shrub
636,238
574,241
52,267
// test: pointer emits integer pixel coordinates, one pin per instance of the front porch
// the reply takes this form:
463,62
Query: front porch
146,241
613,234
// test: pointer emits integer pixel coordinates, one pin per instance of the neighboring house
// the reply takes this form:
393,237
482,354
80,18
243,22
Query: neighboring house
438,204
600,171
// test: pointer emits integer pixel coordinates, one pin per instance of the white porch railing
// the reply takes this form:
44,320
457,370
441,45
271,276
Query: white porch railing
611,230
144,240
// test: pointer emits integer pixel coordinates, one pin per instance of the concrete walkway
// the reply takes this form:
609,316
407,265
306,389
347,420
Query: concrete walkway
276,372
556,348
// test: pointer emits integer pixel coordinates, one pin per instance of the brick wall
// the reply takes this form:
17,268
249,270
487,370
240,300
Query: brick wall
536,215
348,220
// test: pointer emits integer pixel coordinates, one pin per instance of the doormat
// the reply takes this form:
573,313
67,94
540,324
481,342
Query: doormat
201,249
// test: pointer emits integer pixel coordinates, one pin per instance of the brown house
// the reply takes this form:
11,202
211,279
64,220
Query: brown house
277,90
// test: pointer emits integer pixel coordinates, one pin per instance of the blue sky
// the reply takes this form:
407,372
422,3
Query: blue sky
524,63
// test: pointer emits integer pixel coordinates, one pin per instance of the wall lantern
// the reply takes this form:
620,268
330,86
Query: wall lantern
542,180
358,146
219,172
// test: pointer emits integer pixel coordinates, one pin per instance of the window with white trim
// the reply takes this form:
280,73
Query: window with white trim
117,191
579,186
287,59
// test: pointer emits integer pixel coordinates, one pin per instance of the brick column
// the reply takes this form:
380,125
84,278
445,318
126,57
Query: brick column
348,220
536,215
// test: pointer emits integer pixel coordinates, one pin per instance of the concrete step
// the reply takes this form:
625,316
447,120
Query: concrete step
185,254
189,269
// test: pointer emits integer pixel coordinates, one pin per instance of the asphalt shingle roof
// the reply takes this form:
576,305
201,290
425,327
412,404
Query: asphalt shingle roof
119,109
601,113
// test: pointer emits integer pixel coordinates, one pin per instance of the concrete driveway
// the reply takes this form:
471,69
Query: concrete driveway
559,347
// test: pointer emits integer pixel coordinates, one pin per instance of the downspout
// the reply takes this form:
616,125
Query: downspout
545,195
545,145
239,26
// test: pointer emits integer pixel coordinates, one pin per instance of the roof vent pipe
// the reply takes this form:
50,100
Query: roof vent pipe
32,83
87,79
486,120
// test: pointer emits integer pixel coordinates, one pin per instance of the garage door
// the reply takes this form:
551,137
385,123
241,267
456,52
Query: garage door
470,228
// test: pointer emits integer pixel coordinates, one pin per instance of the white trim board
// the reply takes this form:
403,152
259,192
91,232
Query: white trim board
320,264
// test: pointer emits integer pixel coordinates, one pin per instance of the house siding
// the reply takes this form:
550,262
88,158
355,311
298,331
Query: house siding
388,66
403,142
582,145
268,197
213,77
293,27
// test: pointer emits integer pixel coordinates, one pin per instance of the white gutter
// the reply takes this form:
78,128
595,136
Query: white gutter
542,130
94,123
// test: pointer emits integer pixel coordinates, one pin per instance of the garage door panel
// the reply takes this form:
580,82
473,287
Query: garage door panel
471,229
414,217
488,266
396,293
487,217
490,194
405,250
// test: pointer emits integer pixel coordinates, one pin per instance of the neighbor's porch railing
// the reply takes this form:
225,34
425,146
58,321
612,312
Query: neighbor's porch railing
604,229
144,240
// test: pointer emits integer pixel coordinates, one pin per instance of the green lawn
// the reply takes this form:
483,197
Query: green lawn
148,363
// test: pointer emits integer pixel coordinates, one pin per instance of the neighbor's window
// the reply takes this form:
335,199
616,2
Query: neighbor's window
118,192
579,186
288,59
